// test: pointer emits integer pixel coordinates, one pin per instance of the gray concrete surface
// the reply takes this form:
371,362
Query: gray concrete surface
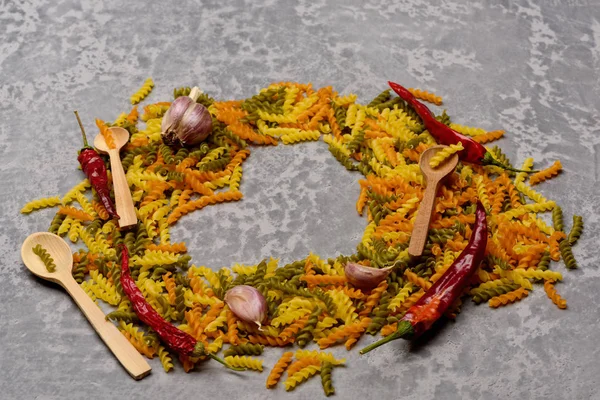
529,67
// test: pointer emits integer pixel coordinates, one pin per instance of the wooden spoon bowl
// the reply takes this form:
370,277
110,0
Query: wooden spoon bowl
60,252
442,170
58,249
120,135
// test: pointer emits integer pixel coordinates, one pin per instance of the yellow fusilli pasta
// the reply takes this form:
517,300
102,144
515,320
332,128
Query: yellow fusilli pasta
143,91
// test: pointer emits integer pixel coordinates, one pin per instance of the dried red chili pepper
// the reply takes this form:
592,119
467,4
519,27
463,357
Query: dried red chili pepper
93,167
473,151
176,339
445,290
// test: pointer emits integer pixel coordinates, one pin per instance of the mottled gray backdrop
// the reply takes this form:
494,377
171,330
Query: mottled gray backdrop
528,67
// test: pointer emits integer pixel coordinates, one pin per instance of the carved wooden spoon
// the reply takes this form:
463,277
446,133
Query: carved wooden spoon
433,178
123,199
60,252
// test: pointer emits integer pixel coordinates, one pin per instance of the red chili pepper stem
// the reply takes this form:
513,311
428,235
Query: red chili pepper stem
405,331
200,351
488,159
85,142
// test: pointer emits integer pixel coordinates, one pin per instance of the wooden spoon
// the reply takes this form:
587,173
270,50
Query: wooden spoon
123,199
60,251
433,176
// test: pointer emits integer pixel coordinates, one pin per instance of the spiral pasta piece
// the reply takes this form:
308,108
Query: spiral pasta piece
269,341
321,355
508,298
106,134
529,192
154,110
103,289
527,166
345,308
567,254
70,195
170,248
244,362
481,295
165,359
136,338
217,323
445,154
411,300
100,210
43,254
400,297
302,136
532,273
289,316
152,257
553,294
232,330
426,96
180,211
40,203
557,219
417,280
489,136
344,332
482,193
345,100
528,208
278,369
301,376
546,174
75,213
323,279
301,364
292,329
74,230
576,230
373,298
142,92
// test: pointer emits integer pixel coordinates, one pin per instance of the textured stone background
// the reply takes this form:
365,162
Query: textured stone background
525,66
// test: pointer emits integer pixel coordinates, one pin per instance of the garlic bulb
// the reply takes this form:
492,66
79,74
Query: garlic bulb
247,303
186,123
365,277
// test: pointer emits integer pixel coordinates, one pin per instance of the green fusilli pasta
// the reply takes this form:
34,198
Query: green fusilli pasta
246,349
380,98
305,334
557,219
567,254
56,222
483,295
45,257
326,381
576,230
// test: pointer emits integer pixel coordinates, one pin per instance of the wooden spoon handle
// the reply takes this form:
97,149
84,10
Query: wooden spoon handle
122,194
128,356
421,226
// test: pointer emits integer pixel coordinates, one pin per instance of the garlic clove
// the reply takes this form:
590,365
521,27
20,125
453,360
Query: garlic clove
247,303
365,277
